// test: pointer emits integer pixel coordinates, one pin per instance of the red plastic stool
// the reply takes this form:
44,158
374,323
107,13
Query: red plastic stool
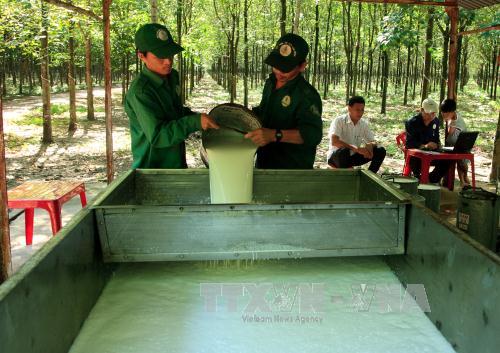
49,195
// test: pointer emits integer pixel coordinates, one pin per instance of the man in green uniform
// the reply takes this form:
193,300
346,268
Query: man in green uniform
290,110
159,123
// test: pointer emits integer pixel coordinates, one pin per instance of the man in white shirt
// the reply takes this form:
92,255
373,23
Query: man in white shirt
352,142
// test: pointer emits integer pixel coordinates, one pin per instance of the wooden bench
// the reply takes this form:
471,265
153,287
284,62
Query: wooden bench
49,195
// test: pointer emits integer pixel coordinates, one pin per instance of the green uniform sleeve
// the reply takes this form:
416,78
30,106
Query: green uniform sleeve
161,132
310,124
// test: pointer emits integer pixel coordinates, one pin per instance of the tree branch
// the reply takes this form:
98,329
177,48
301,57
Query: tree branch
71,7
479,30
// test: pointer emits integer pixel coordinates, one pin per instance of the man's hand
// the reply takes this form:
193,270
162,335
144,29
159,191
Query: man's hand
262,136
207,122
431,145
365,152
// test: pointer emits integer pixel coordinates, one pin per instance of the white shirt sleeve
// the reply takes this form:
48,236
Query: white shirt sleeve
368,135
335,127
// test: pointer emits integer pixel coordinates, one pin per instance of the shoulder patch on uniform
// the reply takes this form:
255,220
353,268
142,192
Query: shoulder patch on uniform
314,109
286,100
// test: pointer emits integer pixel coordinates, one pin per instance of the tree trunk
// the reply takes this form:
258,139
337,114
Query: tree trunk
282,18
464,74
107,89
348,44
245,39
415,74
427,61
356,55
3,89
496,74
5,255
396,72
191,76
494,70
13,71
88,78
71,79
154,11
444,62
379,60
385,80
21,76
328,53
44,74
179,41
186,76
495,165
407,76
453,51
297,17
61,77
316,42
123,79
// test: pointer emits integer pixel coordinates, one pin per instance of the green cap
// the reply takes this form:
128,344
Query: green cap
156,38
290,51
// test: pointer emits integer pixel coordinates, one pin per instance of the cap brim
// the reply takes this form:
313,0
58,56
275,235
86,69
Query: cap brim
280,62
167,51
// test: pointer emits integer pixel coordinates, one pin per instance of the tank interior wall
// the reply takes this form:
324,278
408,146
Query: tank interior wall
44,304
270,187
123,191
461,279
192,187
372,188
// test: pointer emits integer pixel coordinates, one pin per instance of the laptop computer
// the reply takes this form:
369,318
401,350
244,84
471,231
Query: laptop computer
465,142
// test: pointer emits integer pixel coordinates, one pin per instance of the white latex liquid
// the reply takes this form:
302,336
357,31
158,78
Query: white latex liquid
231,173
159,307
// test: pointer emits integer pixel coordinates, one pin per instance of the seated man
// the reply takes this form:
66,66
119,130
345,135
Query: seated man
456,125
422,132
351,140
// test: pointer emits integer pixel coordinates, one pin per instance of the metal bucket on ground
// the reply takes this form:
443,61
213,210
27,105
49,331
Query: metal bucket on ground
406,183
432,195
477,215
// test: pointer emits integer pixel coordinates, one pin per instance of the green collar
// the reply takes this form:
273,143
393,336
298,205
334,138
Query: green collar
156,79
289,84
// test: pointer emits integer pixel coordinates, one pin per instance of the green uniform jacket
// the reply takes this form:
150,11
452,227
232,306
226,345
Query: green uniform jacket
159,123
296,105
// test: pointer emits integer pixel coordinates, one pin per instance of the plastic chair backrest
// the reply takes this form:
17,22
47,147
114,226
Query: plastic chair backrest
401,141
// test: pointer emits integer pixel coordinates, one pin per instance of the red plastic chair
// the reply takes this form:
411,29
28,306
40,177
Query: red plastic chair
401,143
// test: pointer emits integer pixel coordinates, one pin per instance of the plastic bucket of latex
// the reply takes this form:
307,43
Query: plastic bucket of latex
229,155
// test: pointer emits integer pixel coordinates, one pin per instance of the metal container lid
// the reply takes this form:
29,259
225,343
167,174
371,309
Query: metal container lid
477,194
235,121
429,187
404,180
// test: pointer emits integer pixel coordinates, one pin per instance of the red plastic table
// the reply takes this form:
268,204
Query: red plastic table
49,195
427,157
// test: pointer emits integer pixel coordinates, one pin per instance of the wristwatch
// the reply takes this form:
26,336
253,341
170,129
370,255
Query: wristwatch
278,135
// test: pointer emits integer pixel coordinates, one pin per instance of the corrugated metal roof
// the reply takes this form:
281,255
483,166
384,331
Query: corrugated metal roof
476,4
